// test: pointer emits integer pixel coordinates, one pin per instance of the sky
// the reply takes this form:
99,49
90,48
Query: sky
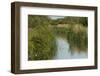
56,17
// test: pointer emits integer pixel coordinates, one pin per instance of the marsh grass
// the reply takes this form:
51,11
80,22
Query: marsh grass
42,43
76,35
78,38
42,36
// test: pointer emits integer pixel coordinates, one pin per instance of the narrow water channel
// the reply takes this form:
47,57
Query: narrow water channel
64,52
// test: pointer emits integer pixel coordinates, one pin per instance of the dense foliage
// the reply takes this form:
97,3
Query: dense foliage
76,36
42,33
41,43
71,20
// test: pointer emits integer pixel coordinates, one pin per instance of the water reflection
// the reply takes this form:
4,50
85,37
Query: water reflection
64,50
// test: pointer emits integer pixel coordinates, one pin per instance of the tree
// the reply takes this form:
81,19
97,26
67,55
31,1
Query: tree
34,20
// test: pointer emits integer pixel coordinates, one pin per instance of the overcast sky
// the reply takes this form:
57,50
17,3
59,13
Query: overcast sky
56,17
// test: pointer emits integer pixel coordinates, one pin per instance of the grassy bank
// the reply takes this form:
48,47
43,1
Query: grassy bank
41,40
42,45
76,36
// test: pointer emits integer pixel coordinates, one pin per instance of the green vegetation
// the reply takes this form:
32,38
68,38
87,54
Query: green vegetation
41,40
78,38
42,33
71,20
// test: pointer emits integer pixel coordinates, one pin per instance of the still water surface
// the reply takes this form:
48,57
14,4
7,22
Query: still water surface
64,52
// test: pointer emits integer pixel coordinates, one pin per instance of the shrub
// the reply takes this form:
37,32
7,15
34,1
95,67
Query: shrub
42,43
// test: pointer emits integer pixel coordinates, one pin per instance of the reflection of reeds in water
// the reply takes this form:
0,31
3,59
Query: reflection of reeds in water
76,36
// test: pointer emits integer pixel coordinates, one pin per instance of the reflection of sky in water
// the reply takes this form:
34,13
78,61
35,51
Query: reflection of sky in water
63,51
56,17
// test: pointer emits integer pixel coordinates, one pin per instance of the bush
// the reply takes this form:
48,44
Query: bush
42,44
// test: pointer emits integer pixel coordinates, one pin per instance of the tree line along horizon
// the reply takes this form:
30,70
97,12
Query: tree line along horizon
39,19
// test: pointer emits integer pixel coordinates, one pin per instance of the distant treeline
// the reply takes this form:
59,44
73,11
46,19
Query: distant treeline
71,20
46,20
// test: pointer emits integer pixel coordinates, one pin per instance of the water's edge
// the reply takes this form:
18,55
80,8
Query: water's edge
63,50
